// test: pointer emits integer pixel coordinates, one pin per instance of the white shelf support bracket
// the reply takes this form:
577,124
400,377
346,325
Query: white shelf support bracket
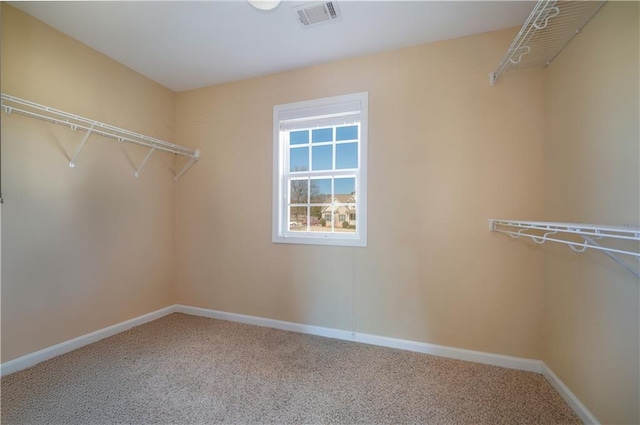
188,165
541,232
614,257
72,163
136,174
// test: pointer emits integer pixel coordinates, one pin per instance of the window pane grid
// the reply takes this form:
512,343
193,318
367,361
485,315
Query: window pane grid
320,173
333,217
314,153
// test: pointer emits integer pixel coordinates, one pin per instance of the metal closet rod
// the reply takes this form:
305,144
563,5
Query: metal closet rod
588,232
35,110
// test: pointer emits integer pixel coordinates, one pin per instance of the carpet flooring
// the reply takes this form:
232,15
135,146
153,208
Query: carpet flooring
191,370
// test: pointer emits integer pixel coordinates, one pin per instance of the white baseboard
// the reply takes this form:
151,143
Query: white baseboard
267,323
33,359
510,362
585,415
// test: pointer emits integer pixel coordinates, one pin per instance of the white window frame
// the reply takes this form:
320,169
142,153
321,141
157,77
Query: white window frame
324,109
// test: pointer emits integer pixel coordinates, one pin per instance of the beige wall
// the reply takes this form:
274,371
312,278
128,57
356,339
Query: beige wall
88,247
592,166
445,148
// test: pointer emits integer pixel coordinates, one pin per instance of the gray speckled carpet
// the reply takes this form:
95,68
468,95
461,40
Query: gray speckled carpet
190,370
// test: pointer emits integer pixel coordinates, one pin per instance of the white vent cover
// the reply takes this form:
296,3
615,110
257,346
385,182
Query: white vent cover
317,13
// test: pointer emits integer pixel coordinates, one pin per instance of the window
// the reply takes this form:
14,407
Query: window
319,178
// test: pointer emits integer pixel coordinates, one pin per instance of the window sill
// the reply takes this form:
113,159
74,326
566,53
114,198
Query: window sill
355,241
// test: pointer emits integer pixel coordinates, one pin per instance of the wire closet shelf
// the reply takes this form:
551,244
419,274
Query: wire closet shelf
548,29
35,110
579,237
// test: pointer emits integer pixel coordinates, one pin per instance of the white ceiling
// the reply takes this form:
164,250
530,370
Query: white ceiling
185,45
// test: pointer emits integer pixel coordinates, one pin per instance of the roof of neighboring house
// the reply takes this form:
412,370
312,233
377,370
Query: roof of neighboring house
341,199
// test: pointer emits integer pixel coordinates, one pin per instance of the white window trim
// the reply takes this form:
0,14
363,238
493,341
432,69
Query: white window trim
336,105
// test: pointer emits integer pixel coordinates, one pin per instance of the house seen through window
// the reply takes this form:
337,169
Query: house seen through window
320,171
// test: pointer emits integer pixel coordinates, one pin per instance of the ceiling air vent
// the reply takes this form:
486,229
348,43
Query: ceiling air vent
317,13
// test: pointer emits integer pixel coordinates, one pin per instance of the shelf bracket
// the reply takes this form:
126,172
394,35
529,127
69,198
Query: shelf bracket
72,163
622,263
188,165
136,174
